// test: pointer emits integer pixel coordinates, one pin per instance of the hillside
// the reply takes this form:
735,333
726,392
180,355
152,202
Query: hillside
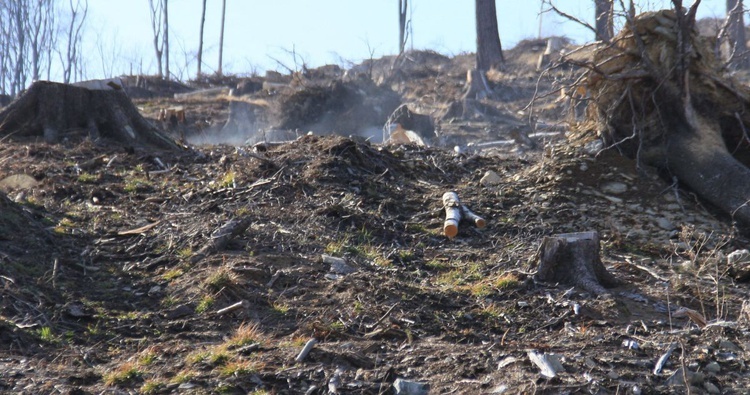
113,280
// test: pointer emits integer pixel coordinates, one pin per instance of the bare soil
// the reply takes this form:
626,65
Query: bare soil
103,289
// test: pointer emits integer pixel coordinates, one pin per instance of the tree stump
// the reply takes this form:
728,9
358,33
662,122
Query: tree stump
573,259
52,110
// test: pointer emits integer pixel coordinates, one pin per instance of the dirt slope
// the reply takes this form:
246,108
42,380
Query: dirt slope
132,307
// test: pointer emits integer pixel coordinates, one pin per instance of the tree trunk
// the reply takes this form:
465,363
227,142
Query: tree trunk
573,259
489,50
166,39
677,113
737,45
604,19
200,41
52,110
221,37
698,156
403,6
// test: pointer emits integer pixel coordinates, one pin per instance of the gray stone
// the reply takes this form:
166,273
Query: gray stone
664,223
728,346
490,178
711,388
712,367
738,257
614,188
406,387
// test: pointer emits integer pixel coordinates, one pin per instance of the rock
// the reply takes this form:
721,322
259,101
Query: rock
738,257
678,378
490,178
179,311
712,367
593,147
728,346
614,188
17,181
406,387
500,389
338,265
711,388
664,223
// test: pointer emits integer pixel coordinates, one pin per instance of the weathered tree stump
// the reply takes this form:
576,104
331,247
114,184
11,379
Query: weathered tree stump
573,259
52,110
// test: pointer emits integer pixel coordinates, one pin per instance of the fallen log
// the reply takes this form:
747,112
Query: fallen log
659,94
52,110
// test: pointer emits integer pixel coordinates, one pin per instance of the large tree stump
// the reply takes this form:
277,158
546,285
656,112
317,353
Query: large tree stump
51,110
573,259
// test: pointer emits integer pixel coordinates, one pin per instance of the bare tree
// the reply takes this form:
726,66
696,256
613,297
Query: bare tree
166,39
737,46
72,61
221,36
604,10
403,7
200,41
489,49
157,24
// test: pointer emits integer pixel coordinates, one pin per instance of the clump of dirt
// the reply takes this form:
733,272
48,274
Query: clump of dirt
344,107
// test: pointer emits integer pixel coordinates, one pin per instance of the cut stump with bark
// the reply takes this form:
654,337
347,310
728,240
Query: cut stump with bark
573,259
53,111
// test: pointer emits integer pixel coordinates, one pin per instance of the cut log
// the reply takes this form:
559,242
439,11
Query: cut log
478,221
573,259
452,214
53,110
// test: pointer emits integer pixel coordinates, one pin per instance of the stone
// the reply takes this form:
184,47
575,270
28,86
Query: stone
738,257
490,178
614,187
406,387
711,388
712,367
664,223
338,265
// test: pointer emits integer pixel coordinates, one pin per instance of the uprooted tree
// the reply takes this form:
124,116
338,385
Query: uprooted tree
53,111
658,95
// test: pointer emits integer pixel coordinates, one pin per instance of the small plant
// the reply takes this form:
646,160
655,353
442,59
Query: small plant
182,377
205,304
45,333
280,308
169,301
506,281
245,334
172,274
185,253
491,311
122,375
87,178
238,368
228,181
93,330
436,264
147,358
221,278
151,387
480,289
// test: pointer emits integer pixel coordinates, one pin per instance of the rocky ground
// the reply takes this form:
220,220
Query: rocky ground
112,281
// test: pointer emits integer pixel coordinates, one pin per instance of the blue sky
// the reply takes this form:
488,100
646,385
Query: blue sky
119,34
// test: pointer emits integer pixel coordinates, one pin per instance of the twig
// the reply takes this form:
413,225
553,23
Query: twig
306,350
